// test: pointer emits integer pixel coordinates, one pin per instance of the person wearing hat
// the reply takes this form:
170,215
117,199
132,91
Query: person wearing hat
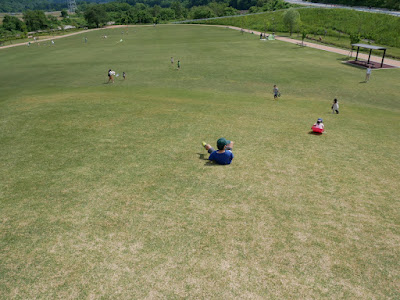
318,126
222,156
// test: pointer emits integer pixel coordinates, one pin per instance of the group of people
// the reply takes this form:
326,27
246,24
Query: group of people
224,155
319,126
178,63
111,75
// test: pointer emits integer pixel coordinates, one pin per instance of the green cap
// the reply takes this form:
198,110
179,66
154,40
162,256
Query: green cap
222,142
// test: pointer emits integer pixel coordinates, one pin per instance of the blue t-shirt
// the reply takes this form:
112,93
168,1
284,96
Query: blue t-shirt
222,158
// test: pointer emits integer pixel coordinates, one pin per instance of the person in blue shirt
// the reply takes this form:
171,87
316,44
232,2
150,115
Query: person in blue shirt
222,156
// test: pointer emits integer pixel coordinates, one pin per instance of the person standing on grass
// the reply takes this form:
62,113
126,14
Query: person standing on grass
172,61
179,64
110,76
276,92
335,106
222,156
369,71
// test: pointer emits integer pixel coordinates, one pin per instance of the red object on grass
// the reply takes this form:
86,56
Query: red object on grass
317,129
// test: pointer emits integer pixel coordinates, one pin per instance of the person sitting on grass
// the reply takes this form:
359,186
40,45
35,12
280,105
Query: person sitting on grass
222,156
318,126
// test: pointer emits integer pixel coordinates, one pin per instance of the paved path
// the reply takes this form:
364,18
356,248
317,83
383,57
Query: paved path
366,9
392,62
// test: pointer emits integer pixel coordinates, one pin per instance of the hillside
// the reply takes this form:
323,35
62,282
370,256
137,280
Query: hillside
337,23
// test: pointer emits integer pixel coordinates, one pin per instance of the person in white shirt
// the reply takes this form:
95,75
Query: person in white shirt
335,106
111,75
369,71
319,124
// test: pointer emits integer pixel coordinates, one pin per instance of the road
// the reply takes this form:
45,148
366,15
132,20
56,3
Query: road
366,9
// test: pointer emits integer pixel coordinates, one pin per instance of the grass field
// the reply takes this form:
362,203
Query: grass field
105,190
333,25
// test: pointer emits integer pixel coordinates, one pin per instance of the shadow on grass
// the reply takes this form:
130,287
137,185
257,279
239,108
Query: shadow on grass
208,163
314,133
343,58
202,156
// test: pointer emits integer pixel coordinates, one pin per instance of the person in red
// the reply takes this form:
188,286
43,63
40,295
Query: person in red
222,156
318,126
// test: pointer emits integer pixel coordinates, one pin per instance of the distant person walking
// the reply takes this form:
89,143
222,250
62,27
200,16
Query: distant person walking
179,64
276,92
110,76
369,71
335,106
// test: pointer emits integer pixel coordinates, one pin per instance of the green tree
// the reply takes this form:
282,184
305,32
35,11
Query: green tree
155,10
178,8
96,15
53,21
218,8
143,16
201,12
128,17
64,13
12,23
291,18
354,39
167,14
230,11
35,20
303,35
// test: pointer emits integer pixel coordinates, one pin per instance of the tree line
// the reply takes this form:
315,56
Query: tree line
91,14
9,6
118,12
55,5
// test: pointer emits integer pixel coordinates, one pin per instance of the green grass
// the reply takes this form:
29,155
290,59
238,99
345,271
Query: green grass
105,192
338,24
